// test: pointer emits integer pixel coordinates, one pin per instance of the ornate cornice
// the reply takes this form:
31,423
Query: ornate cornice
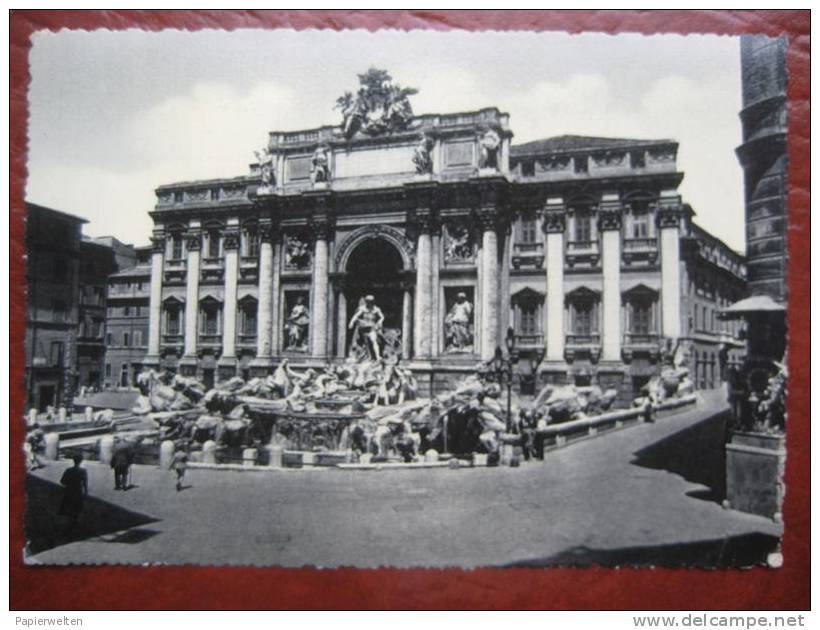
489,218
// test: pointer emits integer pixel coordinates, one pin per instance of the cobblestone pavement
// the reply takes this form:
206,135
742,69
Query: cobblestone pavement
647,494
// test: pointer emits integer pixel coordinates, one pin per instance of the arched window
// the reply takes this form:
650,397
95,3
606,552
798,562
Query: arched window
173,314
212,243
250,242
584,311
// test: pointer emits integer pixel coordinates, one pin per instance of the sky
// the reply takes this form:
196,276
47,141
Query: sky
114,114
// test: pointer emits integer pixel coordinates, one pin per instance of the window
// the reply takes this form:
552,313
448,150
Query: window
176,247
137,337
641,318
210,313
529,319
58,310
173,317
109,339
125,339
213,244
583,226
57,354
250,243
60,270
126,311
124,375
108,370
640,223
582,321
247,317
528,230
137,311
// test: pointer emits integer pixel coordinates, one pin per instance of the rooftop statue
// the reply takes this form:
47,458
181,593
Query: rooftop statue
380,106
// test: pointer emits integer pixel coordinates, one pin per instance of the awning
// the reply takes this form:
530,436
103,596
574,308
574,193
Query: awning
749,305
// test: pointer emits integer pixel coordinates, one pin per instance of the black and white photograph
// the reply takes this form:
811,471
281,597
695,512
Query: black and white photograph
407,299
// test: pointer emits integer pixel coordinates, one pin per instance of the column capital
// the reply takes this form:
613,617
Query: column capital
320,228
669,216
230,239
488,218
158,243
555,220
193,241
424,221
609,218
267,230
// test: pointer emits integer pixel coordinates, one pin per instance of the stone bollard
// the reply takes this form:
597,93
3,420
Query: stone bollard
89,414
105,449
249,457
506,454
32,417
308,458
431,455
277,456
209,452
52,446
62,414
479,459
166,454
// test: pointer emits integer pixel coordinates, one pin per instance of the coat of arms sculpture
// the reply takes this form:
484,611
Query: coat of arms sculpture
380,106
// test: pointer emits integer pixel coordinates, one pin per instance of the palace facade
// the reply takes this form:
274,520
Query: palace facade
581,246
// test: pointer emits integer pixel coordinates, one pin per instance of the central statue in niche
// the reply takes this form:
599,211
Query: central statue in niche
367,322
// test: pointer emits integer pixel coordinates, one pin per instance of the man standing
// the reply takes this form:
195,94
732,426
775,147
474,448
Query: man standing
368,321
121,462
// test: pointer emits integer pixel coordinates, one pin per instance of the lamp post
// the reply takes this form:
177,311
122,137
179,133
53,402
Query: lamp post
503,368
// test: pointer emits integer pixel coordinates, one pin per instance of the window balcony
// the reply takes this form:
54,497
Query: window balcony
209,339
639,250
528,254
246,341
248,267
582,346
641,344
523,340
212,269
583,253
174,270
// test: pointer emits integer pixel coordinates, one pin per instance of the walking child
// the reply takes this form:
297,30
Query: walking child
179,464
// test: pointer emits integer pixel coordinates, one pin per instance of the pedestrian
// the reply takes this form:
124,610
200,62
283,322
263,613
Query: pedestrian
121,462
75,482
33,445
179,464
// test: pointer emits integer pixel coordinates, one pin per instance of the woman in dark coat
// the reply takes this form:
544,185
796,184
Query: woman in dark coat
75,482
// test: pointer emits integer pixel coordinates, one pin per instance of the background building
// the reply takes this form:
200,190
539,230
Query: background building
99,257
53,279
580,245
126,334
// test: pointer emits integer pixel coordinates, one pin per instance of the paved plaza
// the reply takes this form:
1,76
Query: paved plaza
645,494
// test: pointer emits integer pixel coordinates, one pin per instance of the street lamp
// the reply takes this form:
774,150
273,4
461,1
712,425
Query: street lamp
503,368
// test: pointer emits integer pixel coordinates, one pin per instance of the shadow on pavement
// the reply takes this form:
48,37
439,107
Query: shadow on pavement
738,551
696,453
46,529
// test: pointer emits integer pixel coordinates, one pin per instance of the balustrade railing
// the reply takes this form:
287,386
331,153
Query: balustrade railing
582,246
634,339
575,339
632,244
529,340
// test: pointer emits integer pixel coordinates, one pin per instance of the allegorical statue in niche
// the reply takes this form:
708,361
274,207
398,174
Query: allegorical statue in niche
320,165
296,326
458,327
422,159
489,143
458,242
265,160
297,253
380,106
367,321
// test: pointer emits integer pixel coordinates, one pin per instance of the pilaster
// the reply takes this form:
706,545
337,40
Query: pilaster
609,225
554,225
